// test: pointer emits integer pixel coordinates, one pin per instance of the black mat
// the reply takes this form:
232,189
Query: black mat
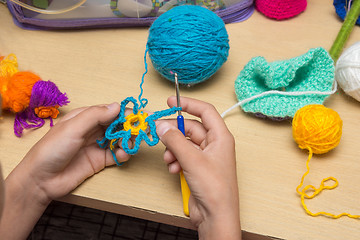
63,221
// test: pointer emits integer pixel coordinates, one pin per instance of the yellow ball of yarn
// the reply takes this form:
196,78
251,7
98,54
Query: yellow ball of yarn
317,128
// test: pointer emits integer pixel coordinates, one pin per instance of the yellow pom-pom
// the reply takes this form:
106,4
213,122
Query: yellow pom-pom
8,66
317,128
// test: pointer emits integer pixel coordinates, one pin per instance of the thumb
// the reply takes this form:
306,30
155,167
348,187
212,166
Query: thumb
174,140
89,118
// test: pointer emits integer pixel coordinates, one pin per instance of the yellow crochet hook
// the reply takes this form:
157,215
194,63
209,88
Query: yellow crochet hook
185,191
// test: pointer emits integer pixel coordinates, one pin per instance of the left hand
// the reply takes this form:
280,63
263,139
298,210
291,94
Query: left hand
68,154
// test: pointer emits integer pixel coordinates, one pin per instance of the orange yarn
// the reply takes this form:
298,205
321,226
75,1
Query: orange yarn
16,93
3,84
45,112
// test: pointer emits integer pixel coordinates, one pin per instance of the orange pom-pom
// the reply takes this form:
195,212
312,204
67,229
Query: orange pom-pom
16,97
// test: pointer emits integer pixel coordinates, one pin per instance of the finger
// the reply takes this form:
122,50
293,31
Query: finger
193,129
169,157
121,156
209,116
91,117
130,143
174,168
76,111
174,140
72,114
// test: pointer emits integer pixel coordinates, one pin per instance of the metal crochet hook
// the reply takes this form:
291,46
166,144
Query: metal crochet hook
185,191
180,118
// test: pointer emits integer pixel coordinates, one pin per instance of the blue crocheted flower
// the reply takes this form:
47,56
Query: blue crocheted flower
136,124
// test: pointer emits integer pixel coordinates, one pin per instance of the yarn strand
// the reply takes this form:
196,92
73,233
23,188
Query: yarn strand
240,103
317,191
143,101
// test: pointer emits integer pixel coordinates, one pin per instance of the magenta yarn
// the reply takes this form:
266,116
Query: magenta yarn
280,9
43,94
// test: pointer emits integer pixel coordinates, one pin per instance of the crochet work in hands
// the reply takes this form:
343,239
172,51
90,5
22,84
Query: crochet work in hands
135,124
309,74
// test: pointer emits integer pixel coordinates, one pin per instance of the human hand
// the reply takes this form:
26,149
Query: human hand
68,153
66,156
207,158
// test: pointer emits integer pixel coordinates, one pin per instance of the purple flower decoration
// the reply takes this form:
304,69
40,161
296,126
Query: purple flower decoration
45,100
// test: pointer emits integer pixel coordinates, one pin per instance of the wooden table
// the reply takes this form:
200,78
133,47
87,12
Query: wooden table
102,66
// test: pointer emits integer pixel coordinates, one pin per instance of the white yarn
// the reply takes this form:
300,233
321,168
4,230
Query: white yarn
347,71
275,92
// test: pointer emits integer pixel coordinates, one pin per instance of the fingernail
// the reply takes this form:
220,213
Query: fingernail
162,128
111,106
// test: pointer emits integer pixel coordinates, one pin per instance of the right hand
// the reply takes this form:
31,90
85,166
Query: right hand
207,158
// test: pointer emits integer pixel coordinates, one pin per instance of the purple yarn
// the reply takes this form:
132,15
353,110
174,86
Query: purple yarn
43,94
47,94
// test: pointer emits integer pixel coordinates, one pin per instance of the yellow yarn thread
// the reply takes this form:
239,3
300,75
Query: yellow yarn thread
8,66
112,144
136,122
317,129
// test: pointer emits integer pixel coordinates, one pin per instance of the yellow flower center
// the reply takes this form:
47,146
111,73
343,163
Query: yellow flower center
135,122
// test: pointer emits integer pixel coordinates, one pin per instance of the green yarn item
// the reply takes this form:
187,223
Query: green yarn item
345,31
312,72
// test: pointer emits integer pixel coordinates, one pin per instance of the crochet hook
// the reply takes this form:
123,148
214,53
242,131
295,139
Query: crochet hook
185,191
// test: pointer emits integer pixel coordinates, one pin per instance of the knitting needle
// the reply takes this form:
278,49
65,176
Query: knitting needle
185,191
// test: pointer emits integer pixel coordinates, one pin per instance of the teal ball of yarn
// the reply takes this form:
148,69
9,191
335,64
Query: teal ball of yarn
188,40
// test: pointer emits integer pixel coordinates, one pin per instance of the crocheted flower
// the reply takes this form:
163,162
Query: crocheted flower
136,124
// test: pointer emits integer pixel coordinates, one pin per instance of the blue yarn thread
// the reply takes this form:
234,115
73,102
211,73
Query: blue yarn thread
189,40
143,101
115,130
341,9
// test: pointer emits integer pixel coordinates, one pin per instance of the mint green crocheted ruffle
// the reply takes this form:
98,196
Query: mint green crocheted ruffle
313,71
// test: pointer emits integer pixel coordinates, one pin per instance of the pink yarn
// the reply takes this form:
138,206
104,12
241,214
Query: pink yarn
280,9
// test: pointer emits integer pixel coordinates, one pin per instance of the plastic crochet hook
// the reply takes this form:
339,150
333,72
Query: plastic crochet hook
185,190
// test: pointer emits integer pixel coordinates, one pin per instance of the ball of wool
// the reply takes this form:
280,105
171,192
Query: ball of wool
188,40
317,128
347,71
